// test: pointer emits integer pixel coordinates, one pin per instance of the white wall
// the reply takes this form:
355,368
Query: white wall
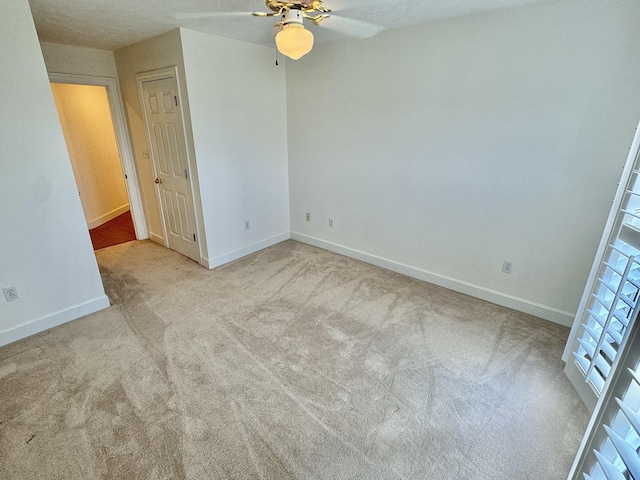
86,122
46,251
74,60
237,99
444,149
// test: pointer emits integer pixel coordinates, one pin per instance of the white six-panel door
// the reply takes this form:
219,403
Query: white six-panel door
163,118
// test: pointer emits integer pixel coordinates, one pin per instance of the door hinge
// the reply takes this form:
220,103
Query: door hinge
175,99
185,174
194,237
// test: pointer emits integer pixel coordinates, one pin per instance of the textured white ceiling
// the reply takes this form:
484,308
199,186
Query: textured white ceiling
111,24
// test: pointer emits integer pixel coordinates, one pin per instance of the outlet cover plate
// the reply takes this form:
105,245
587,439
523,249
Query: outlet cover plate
10,293
507,266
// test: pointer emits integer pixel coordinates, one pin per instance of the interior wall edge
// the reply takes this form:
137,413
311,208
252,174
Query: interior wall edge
47,322
505,300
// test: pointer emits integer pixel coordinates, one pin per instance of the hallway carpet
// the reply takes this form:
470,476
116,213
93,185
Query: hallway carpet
115,231
292,363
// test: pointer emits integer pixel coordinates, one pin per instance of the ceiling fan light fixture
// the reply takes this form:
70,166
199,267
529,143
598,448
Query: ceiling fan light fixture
293,40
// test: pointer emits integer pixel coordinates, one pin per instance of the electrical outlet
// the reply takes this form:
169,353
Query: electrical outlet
507,266
308,217
330,222
10,293
247,225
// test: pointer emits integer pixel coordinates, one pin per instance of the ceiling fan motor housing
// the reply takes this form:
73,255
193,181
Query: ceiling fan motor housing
279,5
292,16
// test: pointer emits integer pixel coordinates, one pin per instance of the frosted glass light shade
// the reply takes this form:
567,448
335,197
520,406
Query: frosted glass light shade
294,41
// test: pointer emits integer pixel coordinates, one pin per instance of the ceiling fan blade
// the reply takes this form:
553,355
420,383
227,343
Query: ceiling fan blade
199,15
350,26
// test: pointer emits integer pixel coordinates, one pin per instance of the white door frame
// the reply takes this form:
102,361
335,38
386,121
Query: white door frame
122,140
162,74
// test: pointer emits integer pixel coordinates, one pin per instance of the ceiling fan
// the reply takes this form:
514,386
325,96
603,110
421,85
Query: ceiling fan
292,39
305,6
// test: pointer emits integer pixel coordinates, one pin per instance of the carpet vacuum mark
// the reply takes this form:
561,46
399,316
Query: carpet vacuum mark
292,363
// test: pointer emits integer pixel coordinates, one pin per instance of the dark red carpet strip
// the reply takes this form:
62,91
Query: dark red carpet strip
118,230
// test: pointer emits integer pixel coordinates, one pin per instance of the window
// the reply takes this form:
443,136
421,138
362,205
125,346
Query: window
610,448
612,297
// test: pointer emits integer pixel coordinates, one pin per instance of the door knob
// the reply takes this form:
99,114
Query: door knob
158,180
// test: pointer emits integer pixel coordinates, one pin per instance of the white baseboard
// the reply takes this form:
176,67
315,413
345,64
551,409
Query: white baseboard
96,222
53,320
156,238
520,304
231,256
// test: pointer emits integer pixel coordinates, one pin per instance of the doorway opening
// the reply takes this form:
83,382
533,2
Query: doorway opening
88,131
97,142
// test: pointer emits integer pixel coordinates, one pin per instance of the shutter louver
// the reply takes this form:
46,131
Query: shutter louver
609,470
627,452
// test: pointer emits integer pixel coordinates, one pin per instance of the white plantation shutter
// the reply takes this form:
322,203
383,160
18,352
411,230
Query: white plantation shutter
609,450
611,299
613,304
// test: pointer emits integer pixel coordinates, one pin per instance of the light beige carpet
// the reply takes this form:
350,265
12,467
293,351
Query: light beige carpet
291,363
